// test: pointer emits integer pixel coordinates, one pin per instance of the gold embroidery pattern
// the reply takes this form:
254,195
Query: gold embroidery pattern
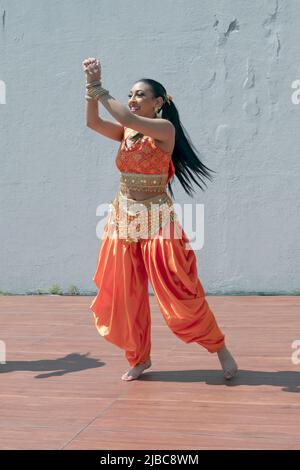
133,220
143,157
143,182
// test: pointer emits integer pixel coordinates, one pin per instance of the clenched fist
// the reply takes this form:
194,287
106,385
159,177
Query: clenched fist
92,69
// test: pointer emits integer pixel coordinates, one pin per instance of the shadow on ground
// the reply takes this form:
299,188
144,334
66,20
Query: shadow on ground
75,362
288,380
62,365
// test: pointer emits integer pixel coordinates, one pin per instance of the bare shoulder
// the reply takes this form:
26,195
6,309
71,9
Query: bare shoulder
169,127
167,144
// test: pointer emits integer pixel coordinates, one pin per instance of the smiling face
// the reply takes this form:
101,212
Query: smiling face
142,102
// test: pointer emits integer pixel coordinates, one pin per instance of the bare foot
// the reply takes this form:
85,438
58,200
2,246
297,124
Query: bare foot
136,371
228,363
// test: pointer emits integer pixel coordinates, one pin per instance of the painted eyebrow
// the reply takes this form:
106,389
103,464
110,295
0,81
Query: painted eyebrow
137,91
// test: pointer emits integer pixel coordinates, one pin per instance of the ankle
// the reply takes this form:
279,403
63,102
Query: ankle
223,350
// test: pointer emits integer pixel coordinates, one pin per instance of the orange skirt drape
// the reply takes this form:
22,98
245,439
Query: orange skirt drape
121,307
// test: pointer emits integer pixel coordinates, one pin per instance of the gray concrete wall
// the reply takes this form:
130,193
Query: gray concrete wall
230,66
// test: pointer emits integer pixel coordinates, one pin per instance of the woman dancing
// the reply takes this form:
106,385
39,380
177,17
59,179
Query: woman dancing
143,240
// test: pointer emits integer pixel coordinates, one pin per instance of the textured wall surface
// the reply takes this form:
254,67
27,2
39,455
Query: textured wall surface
230,66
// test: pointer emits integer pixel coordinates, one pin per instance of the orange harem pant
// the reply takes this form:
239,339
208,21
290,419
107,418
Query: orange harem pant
121,307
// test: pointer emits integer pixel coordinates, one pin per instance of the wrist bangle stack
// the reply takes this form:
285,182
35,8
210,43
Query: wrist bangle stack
94,90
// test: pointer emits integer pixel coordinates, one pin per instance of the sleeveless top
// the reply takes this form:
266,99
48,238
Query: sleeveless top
144,156
143,165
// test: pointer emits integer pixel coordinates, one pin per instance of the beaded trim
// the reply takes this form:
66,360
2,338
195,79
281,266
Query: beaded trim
133,220
143,182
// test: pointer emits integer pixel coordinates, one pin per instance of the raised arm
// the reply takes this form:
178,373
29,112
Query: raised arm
112,130
160,129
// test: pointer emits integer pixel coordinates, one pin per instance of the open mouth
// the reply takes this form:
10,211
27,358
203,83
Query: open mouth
134,108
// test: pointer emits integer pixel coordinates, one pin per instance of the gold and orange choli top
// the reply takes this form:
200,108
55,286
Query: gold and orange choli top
144,167
144,157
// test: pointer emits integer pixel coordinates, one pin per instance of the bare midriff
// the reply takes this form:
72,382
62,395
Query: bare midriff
139,195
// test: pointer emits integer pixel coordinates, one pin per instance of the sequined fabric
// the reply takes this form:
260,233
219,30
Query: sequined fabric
143,182
134,220
143,167
145,157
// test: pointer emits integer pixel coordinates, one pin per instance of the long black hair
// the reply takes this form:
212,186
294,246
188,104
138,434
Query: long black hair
186,162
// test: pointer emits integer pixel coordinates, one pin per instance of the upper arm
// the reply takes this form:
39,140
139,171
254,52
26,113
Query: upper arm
112,130
160,129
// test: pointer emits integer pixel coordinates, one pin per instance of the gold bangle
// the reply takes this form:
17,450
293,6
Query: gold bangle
94,87
96,91
91,98
93,83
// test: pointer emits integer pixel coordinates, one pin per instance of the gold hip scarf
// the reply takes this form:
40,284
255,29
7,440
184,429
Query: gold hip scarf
133,220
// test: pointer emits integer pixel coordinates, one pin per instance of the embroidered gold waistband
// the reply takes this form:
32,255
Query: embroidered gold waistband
133,206
143,182
133,220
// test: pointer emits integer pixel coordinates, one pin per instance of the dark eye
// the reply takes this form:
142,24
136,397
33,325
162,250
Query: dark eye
139,94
